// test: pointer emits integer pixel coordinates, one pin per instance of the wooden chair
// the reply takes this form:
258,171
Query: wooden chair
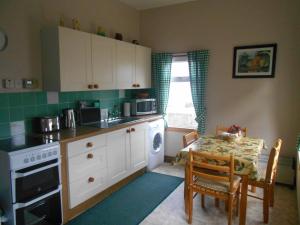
266,180
216,180
225,129
190,138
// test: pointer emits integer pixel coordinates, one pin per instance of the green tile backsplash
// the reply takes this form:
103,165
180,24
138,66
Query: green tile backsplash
25,106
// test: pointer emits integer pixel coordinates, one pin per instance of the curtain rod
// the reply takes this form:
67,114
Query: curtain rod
180,54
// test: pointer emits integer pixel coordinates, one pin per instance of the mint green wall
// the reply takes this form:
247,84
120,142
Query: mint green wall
25,106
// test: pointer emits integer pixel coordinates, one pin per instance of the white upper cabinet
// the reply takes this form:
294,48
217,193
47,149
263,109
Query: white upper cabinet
142,67
66,59
125,65
75,58
103,62
77,61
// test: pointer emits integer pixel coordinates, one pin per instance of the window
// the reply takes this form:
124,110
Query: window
180,109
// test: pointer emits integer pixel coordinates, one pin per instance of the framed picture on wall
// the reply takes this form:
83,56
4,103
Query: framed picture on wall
254,61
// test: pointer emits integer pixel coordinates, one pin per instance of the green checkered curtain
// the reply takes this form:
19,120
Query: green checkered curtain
198,67
298,143
161,75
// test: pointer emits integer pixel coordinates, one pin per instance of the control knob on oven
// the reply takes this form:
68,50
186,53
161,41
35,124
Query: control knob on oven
26,160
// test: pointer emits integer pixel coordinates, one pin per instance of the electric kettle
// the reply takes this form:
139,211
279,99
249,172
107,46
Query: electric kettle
69,118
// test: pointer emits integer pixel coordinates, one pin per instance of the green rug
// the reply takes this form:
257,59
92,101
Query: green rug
132,203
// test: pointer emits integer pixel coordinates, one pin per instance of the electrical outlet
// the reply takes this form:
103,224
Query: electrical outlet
7,83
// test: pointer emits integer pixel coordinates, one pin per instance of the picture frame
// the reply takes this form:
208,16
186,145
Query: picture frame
254,61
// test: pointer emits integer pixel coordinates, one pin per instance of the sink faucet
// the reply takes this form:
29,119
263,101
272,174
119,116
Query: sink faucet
114,114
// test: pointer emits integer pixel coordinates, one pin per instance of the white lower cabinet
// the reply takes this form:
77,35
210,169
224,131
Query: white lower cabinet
138,146
118,151
104,160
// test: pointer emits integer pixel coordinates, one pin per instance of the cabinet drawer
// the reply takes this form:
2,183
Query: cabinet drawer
82,165
87,187
84,145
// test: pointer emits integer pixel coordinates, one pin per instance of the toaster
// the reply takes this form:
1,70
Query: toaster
46,124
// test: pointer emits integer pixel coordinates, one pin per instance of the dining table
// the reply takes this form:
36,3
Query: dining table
246,152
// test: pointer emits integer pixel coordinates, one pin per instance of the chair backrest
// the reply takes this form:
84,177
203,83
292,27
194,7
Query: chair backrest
211,167
225,129
190,138
273,161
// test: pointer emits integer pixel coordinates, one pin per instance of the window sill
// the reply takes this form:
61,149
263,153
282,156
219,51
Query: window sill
179,129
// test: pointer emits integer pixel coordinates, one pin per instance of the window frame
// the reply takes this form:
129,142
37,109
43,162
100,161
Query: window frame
182,57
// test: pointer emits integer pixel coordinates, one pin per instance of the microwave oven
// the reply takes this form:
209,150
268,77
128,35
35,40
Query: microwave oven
143,106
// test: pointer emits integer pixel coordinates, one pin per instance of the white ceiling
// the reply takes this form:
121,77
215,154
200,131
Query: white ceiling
148,4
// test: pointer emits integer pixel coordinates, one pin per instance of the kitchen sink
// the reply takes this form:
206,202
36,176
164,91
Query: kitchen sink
113,122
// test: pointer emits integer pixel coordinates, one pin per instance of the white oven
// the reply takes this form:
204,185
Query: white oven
30,188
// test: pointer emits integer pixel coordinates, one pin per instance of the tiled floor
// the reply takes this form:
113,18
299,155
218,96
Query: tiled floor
171,210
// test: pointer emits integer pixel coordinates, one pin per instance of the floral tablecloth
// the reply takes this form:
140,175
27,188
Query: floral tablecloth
246,152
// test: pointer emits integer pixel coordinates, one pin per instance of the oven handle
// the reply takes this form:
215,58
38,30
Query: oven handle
18,175
23,205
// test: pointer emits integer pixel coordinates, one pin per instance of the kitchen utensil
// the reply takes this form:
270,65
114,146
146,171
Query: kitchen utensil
104,114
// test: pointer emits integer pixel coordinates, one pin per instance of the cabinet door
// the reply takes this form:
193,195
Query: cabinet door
125,65
103,62
87,175
117,149
138,146
75,59
143,67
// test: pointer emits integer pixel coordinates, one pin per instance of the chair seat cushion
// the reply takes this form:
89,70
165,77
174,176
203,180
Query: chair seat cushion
217,185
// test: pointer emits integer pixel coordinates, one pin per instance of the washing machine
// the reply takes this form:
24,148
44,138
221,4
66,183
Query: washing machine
156,148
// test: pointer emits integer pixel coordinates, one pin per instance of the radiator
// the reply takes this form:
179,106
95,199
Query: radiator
298,174
298,180
285,171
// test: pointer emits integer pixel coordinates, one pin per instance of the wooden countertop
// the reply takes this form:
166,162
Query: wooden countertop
81,132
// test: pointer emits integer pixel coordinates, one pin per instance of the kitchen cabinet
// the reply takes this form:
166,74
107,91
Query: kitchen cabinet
73,60
142,67
103,62
138,146
87,176
127,151
66,59
118,156
125,65
133,66
98,162
87,168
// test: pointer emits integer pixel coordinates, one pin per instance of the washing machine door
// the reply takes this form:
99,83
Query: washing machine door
157,143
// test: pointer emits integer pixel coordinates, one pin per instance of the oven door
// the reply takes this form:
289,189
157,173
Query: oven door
45,210
35,181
